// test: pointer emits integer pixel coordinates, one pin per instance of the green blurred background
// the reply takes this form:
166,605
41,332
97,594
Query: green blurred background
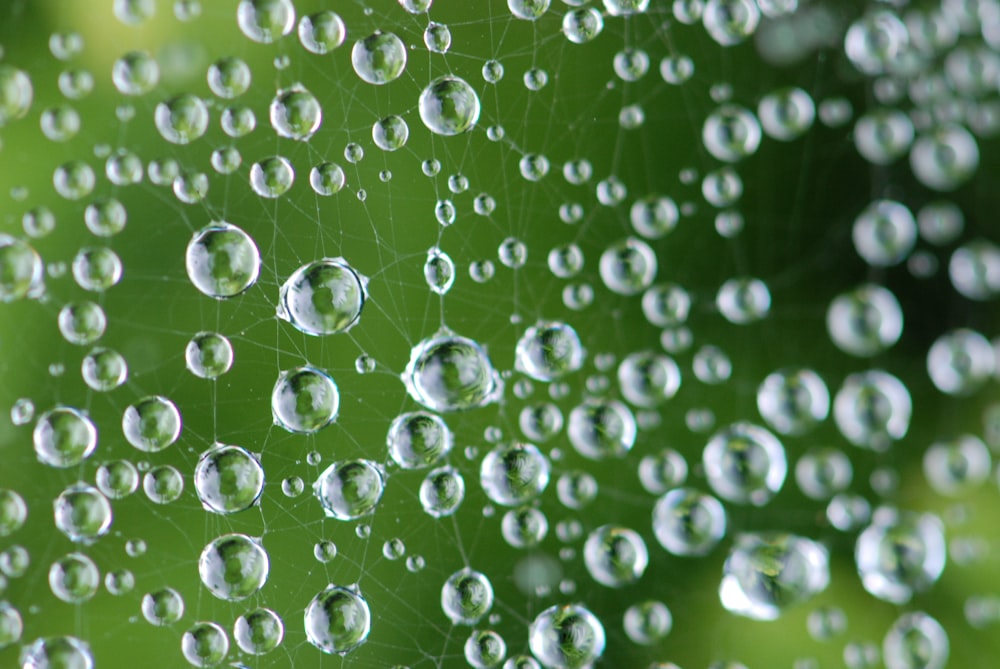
799,202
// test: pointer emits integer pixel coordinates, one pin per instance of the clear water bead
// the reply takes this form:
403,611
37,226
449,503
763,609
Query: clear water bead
338,619
766,573
304,400
448,372
323,297
233,567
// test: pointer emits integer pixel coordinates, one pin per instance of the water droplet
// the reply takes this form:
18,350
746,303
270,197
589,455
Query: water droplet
304,400
744,463
485,649
258,632
379,58
222,260
322,32
323,297
208,355
581,26
151,424
448,372
566,637
466,597
16,94
265,21
104,369
449,106
514,474
56,651
82,513
205,644
872,409
900,553
615,556
601,429
960,362
64,437
865,321
162,607
272,177
228,479
295,113
182,119
647,623
338,620
442,492
233,567
915,641
350,489
74,578
766,573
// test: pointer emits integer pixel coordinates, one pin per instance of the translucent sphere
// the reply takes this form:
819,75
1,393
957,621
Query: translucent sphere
16,94
258,632
525,527
57,652
233,567
466,597
730,22
338,619
743,300
915,641
786,114
304,400
957,466
295,113
647,379
447,372
163,484
64,437
117,479
566,637
379,58
439,271
688,522
960,362
628,267
151,424
13,512
390,133
744,463
205,644
208,355
731,133
864,321
265,21
884,233
875,40
97,268
228,479
442,492
74,578
350,489
21,270
615,556
529,10
323,297
162,607
272,177
582,25
449,106
899,554
823,472
659,472
514,474
647,623
82,513
872,409
974,270
103,369
82,323
945,158
602,428
182,119
549,350
793,401
322,32
222,260
419,439
766,573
